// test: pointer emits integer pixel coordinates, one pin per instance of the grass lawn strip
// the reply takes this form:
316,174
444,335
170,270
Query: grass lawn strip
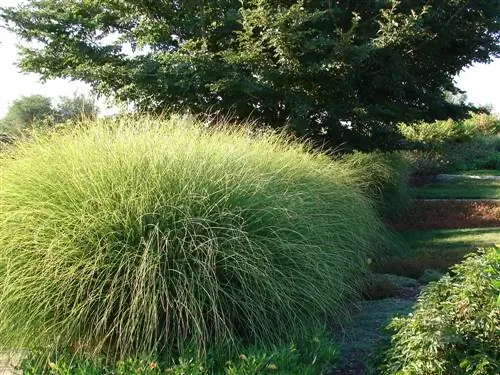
481,172
426,250
419,241
459,188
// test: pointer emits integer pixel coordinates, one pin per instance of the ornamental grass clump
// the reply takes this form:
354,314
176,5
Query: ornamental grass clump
384,178
143,237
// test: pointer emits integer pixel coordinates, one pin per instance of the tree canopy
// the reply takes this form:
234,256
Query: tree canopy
335,71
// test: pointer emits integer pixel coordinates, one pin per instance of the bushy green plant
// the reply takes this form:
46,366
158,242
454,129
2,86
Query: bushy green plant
144,237
453,146
426,162
454,325
384,178
485,124
439,132
311,356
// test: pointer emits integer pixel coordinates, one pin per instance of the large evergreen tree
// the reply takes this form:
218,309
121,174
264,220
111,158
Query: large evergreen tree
336,71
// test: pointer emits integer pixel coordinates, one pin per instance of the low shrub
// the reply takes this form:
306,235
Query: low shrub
142,238
415,267
384,178
377,286
452,146
439,132
484,123
454,325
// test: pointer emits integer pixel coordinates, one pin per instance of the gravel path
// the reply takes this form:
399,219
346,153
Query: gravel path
359,340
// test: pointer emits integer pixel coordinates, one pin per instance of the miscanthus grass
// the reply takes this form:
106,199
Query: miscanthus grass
143,237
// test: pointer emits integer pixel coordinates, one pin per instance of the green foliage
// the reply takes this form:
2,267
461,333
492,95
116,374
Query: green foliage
439,132
336,71
38,111
384,178
76,107
485,124
309,356
26,112
143,237
455,146
454,325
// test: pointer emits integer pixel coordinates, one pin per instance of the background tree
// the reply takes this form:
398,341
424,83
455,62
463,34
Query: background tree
76,107
38,110
25,112
336,71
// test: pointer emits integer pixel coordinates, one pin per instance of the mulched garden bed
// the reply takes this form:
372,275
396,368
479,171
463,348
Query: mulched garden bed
449,214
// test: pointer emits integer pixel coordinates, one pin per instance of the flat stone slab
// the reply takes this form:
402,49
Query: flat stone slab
8,362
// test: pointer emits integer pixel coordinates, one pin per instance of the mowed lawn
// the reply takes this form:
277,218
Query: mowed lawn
465,188
441,240
435,249
481,172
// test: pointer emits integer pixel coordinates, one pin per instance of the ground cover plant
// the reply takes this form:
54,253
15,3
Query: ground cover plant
453,328
460,188
309,356
148,238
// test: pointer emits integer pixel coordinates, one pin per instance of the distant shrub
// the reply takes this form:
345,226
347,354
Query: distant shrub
453,146
484,123
439,132
384,178
424,162
454,325
133,238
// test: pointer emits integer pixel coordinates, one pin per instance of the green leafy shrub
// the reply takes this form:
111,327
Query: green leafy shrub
454,326
484,123
133,238
384,178
309,356
426,162
439,132
453,146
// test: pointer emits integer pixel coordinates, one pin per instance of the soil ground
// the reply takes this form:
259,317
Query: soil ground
449,214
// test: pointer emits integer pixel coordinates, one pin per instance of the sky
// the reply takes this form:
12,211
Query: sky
480,81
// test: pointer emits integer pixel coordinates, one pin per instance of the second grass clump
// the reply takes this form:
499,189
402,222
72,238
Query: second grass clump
145,237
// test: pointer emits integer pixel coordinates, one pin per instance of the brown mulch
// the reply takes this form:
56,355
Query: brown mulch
449,214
